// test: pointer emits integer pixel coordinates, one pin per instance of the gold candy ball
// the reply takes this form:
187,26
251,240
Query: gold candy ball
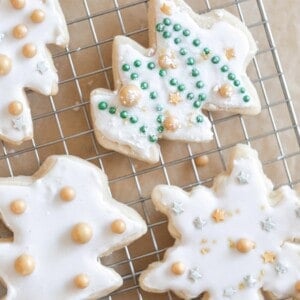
18,4
5,64
166,61
67,193
201,161
24,264
130,95
18,207
118,226
226,91
178,268
297,286
82,233
171,123
37,16
20,31
29,50
82,281
15,108
244,245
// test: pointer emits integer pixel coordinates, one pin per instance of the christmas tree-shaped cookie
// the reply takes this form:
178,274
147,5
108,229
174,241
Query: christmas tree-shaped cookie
26,27
232,240
63,220
194,63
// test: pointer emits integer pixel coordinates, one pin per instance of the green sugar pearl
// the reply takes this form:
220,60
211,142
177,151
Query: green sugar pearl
197,104
167,21
151,65
177,41
124,114
133,119
206,50
195,72
160,119
137,63
134,76
152,138
224,68
162,73
144,85
173,81
231,76
112,110
186,32
177,27
159,107
215,59
160,129
196,42
199,119
181,87
242,90
236,82
190,61
190,96
143,129
183,51
246,98
125,67
160,27
153,95
200,84
167,34
202,97
102,105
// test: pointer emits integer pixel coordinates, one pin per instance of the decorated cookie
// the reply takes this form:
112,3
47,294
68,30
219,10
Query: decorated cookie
63,219
194,63
232,240
26,26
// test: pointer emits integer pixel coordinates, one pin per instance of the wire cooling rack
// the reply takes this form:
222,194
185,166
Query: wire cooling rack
63,125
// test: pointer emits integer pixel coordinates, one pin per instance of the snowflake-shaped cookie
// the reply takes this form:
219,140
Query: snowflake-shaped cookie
63,219
26,27
195,63
232,240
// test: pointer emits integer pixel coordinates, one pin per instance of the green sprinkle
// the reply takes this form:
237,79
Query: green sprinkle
224,68
137,63
215,59
167,34
197,104
160,27
133,119
242,90
125,67
195,72
177,27
160,119
190,61
206,51
196,42
173,81
246,98
112,110
134,76
167,21
201,97
177,41
200,84
160,129
236,82
144,85
199,119
159,107
181,87
190,96
124,114
231,76
153,95
186,32
183,51
162,73
153,138
102,105
151,65
143,129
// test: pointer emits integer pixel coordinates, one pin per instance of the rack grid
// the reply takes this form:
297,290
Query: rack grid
63,126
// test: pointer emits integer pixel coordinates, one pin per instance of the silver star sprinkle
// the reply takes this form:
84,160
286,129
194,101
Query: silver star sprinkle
199,223
42,67
268,224
280,268
18,123
298,212
229,292
243,177
249,281
194,274
177,207
2,36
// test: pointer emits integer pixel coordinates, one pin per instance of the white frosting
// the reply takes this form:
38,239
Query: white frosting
219,36
221,270
44,232
37,73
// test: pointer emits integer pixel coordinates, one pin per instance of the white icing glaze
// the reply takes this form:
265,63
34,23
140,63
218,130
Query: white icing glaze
37,73
220,35
226,272
44,232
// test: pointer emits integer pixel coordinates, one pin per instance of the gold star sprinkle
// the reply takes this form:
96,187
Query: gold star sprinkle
218,215
174,98
230,53
269,257
166,9
204,251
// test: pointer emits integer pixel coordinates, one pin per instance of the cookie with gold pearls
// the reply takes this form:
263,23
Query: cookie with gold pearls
26,27
195,63
63,220
232,240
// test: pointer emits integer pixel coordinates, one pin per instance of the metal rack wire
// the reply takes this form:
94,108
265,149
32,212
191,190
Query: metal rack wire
63,126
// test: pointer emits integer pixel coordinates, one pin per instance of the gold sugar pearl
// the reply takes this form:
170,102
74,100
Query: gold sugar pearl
202,161
18,4
178,268
130,95
245,245
5,64
37,16
24,264
297,286
171,123
118,226
20,31
81,281
67,193
29,50
167,61
15,108
82,233
226,90
18,207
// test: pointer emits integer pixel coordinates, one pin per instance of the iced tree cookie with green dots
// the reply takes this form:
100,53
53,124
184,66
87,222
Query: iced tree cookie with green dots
26,27
194,63
63,220
232,241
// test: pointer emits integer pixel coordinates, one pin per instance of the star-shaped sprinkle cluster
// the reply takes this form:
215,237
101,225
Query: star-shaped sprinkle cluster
63,221
26,27
195,63
248,239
